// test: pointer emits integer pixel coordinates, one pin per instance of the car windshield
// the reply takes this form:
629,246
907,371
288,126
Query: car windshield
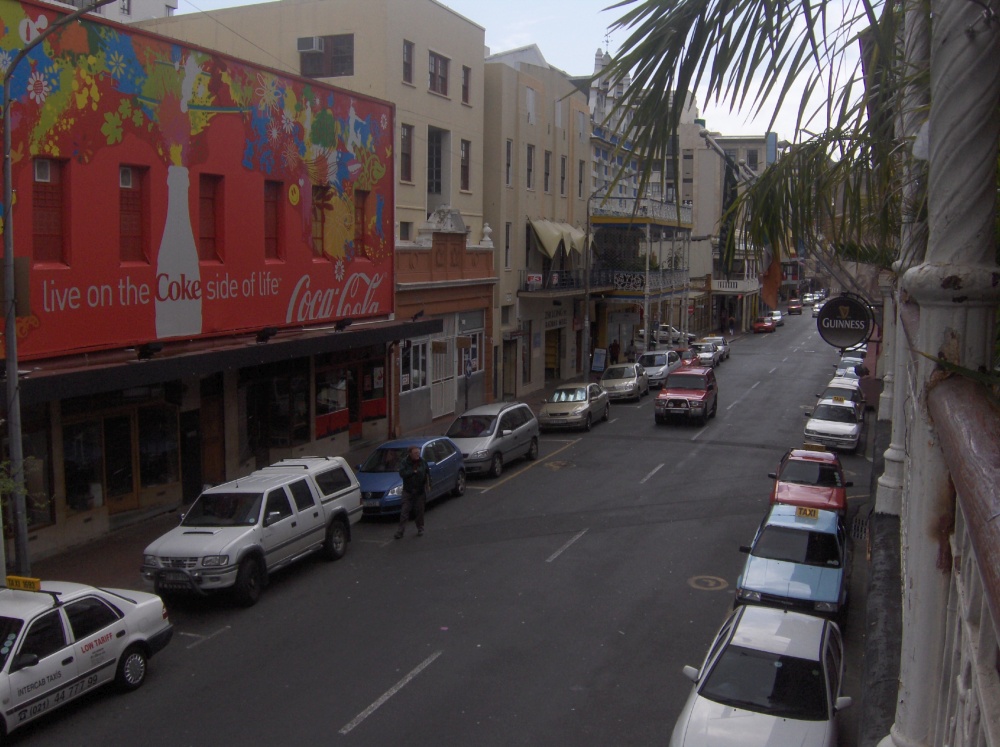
650,360
811,473
472,426
224,510
9,628
620,372
578,394
835,414
764,320
705,348
685,381
797,546
385,459
759,681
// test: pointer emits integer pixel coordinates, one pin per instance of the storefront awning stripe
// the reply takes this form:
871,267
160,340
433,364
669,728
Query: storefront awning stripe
549,234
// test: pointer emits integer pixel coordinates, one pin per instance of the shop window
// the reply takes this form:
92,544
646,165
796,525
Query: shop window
413,366
331,391
210,218
39,503
473,354
272,220
159,452
289,410
49,212
133,214
82,460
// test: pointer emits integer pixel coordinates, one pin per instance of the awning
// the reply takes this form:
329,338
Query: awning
113,370
552,233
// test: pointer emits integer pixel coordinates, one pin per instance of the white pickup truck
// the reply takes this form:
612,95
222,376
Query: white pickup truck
237,533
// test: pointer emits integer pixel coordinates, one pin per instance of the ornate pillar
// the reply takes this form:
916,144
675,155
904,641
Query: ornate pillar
957,293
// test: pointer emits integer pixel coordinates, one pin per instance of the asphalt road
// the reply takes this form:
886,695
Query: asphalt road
555,605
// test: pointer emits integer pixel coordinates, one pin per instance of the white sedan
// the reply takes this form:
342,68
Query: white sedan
772,677
836,422
61,640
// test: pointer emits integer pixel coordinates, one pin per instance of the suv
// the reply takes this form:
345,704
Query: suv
493,435
236,534
690,392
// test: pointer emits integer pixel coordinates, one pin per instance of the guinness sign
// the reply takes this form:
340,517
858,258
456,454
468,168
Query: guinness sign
845,321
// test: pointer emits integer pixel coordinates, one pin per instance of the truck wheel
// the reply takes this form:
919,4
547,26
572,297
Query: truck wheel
459,489
249,581
335,544
496,467
131,669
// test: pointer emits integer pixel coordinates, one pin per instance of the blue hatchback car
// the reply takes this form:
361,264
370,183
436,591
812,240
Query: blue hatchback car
798,560
381,486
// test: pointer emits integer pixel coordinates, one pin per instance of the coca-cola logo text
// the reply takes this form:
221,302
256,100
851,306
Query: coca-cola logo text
357,299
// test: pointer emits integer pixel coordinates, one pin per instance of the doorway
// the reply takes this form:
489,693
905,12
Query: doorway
553,354
119,470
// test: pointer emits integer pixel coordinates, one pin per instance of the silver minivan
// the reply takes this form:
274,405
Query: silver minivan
658,364
491,436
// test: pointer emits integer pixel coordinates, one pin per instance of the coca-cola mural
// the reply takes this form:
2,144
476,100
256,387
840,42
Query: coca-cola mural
196,194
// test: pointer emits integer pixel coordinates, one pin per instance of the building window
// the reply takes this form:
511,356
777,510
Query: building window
125,7
506,246
529,103
466,84
327,56
562,175
435,160
579,179
413,366
49,212
320,204
752,159
405,230
530,167
272,220
360,223
466,158
509,162
438,73
407,61
133,215
472,358
210,218
406,153
547,167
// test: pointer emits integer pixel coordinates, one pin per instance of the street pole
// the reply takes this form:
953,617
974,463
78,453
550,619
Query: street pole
14,436
586,290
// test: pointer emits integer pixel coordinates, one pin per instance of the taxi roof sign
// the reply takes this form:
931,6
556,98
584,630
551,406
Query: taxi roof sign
24,583
806,513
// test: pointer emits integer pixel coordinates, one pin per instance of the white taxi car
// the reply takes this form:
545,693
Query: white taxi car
61,640
835,423
771,677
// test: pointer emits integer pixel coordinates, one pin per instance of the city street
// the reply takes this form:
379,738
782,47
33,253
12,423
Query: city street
554,605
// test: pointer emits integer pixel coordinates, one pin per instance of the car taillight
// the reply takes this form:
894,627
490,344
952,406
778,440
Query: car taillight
164,612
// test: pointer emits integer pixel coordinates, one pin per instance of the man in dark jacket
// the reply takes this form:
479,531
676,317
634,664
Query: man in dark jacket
416,480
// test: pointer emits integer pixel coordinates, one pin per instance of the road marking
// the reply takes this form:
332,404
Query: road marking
521,471
755,385
773,370
655,470
203,638
698,434
389,693
707,583
562,549
784,359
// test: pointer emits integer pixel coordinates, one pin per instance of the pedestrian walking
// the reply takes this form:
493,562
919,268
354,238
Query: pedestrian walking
613,352
630,352
416,484
732,326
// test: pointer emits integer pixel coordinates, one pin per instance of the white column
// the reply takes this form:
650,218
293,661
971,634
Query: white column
954,287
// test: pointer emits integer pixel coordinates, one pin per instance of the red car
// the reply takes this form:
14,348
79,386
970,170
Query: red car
690,392
811,477
764,324
795,306
688,356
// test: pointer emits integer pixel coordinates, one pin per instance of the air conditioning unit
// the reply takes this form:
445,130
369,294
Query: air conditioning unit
125,177
310,44
43,170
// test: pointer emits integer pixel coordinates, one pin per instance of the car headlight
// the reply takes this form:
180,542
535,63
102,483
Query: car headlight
150,560
481,454
214,561
748,596
579,410
398,490
826,606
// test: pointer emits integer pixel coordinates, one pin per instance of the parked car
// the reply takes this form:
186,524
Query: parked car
721,343
61,640
795,307
850,366
491,436
799,559
817,307
628,381
810,476
669,335
778,317
382,487
835,422
236,534
708,354
658,364
771,677
688,356
691,393
764,324
576,406
849,389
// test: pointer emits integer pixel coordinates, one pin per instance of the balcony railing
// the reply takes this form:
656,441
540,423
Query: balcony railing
570,280
746,285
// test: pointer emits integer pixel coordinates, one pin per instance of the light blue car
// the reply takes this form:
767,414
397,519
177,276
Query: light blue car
798,560
382,487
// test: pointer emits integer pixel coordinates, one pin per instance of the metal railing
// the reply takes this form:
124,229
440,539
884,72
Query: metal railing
570,280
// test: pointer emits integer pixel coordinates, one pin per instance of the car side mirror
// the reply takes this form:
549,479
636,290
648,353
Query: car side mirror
24,661
506,432
745,548
690,672
773,475
843,703
848,484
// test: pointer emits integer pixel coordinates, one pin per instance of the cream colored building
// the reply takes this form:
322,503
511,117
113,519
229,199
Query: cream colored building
537,156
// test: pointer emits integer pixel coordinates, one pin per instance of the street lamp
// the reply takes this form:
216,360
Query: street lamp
16,446
586,285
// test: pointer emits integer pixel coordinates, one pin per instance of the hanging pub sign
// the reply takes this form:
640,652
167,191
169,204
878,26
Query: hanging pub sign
845,321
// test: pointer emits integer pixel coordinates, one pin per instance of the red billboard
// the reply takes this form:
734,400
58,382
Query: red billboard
164,191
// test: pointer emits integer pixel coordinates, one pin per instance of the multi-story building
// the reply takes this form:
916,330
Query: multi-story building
538,155
127,11
428,61
207,255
